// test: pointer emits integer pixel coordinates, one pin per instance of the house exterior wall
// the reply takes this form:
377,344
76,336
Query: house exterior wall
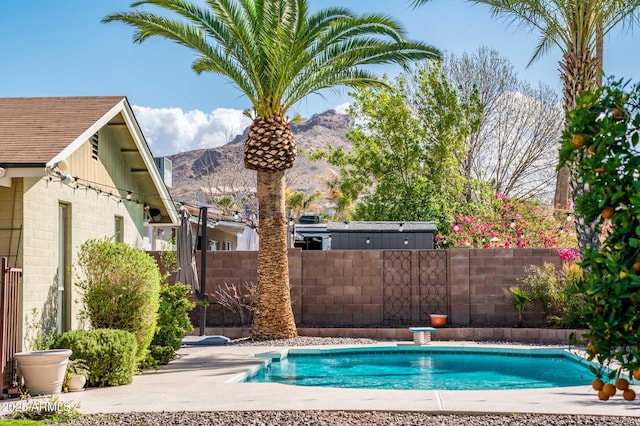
351,287
91,215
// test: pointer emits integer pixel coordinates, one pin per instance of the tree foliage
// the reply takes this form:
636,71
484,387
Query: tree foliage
602,139
403,164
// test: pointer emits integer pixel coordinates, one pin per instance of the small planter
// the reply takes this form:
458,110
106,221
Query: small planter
76,383
43,371
438,320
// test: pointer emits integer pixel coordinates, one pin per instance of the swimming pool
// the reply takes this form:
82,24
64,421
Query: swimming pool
420,368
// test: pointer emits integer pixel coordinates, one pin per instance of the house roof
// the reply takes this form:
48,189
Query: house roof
35,130
39,132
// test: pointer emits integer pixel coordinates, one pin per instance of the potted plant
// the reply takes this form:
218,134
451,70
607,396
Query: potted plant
76,375
42,369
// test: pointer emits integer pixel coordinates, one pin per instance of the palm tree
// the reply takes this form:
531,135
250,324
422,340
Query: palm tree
299,202
276,52
577,28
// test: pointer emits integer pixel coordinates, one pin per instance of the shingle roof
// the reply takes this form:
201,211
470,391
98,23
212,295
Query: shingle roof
34,130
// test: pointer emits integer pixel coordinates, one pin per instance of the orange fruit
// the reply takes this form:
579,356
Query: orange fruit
597,384
602,396
578,140
592,349
609,389
600,170
607,212
622,384
636,266
629,395
636,374
591,149
616,113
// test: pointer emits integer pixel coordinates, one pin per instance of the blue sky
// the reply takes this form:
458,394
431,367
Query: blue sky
60,48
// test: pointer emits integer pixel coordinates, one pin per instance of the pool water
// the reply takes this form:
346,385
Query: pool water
427,370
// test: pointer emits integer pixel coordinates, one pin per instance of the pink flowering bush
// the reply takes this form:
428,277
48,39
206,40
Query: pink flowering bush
508,223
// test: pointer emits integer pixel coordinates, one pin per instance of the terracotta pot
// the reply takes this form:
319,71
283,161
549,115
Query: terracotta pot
43,371
438,320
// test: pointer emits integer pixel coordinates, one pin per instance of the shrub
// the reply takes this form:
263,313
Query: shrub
557,291
109,354
173,321
120,289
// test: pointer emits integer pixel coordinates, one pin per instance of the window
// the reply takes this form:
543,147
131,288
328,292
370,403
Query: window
118,236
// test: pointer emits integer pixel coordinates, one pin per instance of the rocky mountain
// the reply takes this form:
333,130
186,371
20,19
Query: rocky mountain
222,167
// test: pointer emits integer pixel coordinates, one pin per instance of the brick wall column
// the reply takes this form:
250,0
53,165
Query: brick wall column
459,290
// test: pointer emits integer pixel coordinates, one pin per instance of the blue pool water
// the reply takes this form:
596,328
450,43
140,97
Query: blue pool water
427,369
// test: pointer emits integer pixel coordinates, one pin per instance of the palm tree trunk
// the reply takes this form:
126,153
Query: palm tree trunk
579,72
273,318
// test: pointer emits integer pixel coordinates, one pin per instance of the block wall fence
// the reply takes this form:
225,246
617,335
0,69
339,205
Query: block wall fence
354,288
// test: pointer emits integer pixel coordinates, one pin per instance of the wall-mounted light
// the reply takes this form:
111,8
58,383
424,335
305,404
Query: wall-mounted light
368,240
401,227
346,224
129,195
406,241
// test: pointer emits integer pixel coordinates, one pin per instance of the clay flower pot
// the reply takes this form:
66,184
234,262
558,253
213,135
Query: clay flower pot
438,320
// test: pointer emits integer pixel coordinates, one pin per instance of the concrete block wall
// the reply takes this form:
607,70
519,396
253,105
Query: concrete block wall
346,288
342,287
491,272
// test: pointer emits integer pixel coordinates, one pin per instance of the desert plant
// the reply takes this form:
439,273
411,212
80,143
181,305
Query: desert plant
520,299
173,322
120,288
239,300
109,354
558,291
545,284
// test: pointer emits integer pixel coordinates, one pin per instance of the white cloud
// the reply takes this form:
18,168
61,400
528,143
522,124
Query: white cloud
172,130
343,108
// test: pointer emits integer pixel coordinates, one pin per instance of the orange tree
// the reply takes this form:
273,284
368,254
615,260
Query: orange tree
602,140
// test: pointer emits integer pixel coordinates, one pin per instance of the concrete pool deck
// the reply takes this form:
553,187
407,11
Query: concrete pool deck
200,381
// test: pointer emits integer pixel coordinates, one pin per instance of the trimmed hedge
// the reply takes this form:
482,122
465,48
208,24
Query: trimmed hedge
109,354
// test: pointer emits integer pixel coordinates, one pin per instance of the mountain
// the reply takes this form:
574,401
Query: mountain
223,166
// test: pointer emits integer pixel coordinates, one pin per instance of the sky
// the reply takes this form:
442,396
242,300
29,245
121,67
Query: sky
61,48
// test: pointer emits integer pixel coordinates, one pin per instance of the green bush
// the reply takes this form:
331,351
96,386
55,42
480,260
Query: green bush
109,354
557,292
120,288
173,322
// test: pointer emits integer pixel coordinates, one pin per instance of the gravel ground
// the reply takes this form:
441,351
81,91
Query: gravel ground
346,418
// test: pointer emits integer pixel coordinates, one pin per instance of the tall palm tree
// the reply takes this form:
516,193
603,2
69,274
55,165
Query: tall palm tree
577,28
276,52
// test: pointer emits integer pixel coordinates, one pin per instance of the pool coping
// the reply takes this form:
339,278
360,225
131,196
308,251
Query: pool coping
199,381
